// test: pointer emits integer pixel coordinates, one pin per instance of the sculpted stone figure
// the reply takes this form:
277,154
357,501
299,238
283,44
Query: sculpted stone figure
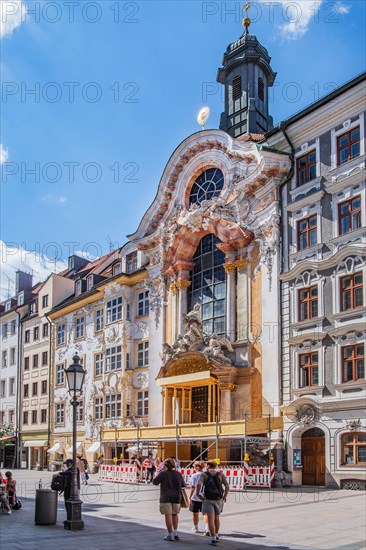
214,349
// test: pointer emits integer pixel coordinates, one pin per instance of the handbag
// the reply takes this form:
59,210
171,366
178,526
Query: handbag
184,503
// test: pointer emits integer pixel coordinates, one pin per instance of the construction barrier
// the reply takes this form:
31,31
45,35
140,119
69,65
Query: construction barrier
238,478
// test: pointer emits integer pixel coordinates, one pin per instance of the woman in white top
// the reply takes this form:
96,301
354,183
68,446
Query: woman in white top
195,504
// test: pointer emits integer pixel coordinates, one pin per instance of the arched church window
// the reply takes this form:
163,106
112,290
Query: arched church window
209,184
208,286
236,87
261,89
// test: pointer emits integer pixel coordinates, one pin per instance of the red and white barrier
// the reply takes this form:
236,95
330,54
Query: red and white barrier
238,478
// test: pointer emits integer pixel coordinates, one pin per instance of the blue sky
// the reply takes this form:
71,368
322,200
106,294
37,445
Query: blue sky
118,86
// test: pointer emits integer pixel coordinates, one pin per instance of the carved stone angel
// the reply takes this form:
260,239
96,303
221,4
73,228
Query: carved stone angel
214,349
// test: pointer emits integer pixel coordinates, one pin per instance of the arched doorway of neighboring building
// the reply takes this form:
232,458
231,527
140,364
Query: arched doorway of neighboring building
313,457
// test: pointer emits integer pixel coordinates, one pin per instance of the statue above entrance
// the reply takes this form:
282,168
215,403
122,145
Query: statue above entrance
194,339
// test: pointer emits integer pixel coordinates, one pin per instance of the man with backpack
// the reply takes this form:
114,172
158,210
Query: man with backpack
214,487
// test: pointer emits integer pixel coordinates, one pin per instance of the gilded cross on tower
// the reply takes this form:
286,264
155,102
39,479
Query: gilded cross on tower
246,20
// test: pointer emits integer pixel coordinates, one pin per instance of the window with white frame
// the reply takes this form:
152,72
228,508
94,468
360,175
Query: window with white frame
11,416
89,282
44,358
306,168
36,333
113,358
143,354
98,364
12,356
348,283
60,413
3,388
307,232
348,145
309,369
117,268
143,303
27,336
43,416
98,408
113,406
79,327
45,330
5,330
307,303
11,386
349,215
80,411
45,300
4,358
34,416
142,403
13,327
99,316
60,374
351,288
114,310
78,287
61,334
128,312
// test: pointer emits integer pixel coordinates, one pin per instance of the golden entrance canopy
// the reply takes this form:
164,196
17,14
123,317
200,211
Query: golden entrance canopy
210,430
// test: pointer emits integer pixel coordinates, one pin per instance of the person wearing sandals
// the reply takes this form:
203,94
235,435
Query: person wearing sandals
171,483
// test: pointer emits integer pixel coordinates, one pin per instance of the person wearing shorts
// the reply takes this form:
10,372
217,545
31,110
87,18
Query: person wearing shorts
195,503
212,506
171,483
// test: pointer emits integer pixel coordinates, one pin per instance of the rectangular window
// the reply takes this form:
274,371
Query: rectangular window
36,333
27,336
45,300
143,303
11,386
142,403
354,448
26,390
117,268
89,282
25,417
13,327
98,408
308,303
3,388
35,361
44,387
306,168
113,406
44,358
5,330
143,354
79,327
349,215
309,369
26,363
12,356
11,415
4,358
353,363
307,233
128,361
98,364
99,315
351,291
128,410
80,411
113,358
128,312
2,416
114,310
61,330
60,374
131,262
348,146
45,330
60,413
43,416
34,388
34,417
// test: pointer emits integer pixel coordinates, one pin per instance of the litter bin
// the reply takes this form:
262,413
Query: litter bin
46,507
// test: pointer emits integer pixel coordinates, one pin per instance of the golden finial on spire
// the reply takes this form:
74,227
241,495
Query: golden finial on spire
246,21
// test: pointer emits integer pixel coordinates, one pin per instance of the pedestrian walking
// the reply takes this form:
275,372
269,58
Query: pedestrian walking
212,488
150,468
195,503
83,466
3,494
171,483
159,464
68,475
11,485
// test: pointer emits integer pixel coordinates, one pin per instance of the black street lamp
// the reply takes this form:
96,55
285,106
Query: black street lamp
75,375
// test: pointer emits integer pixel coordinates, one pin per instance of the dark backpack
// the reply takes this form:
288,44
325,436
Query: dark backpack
213,487
58,483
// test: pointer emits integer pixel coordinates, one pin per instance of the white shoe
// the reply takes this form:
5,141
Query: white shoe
194,530
9,512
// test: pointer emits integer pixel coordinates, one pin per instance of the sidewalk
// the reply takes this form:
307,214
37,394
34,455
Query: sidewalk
18,532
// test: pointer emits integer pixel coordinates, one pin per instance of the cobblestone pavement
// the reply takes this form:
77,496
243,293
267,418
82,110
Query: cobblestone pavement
128,517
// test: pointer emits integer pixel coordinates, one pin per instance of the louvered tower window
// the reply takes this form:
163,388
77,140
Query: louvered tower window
237,88
261,89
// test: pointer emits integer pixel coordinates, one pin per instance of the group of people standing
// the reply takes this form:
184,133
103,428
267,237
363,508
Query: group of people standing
209,490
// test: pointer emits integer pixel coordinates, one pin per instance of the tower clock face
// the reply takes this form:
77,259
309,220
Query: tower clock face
209,184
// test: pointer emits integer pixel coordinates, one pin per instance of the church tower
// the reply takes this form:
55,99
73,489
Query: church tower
246,74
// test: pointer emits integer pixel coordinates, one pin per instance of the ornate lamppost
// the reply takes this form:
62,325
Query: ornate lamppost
75,375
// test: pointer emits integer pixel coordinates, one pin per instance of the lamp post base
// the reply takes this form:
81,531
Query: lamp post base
74,521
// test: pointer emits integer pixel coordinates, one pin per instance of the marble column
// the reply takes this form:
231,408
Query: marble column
182,286
230,268
226,412
174,296
242,300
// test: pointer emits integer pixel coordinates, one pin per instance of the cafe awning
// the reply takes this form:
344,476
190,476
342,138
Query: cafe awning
35,443
79,444
94,447
55,448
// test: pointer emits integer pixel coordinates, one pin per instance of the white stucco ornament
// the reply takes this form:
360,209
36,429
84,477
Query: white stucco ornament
155,286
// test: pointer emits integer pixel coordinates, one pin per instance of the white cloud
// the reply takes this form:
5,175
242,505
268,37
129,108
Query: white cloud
12,15
4,155
297,16
15,257
52,199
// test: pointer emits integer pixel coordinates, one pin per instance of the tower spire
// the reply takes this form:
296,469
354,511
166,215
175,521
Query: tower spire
246,21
